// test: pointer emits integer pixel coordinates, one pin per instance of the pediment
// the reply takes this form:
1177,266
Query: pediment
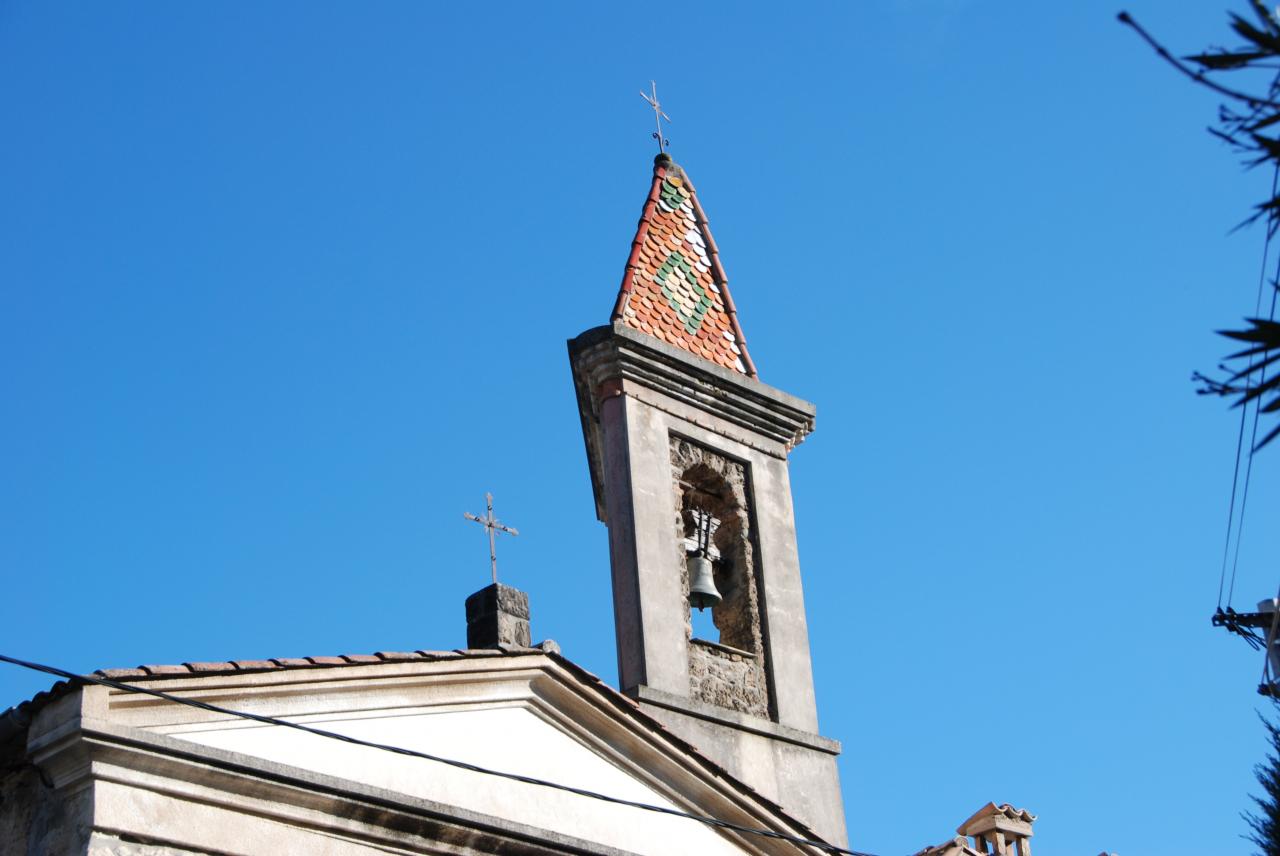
534,715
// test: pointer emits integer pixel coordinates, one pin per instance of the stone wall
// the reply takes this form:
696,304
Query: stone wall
729,679
38,820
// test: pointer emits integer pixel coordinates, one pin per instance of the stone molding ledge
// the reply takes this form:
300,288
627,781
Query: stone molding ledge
733,719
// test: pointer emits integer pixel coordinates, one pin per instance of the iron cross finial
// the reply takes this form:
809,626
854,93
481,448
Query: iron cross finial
658,115
490,523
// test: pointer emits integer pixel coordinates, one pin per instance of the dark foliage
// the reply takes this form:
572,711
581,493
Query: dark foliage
1265,824
1252,382
1248,121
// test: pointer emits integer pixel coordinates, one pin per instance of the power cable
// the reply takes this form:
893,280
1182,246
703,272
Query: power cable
1253,447
1235,476
1257,403
400,750
1231,513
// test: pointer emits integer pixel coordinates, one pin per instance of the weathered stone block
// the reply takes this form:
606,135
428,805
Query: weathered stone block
498,615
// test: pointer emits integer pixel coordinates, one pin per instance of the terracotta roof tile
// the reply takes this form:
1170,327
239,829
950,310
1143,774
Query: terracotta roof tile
209,667
399,656
440,655
674,287
327,661
254,664
165,670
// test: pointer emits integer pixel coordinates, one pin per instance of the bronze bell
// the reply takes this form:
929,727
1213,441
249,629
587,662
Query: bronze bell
702,583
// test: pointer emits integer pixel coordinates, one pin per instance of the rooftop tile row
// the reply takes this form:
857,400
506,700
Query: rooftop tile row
276,663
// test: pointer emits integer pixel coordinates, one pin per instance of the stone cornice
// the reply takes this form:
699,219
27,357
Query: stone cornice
743,722
616,360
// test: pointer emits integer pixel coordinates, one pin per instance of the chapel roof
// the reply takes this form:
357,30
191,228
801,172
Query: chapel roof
674,287
14,721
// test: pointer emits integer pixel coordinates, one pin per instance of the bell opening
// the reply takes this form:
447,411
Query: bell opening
716,550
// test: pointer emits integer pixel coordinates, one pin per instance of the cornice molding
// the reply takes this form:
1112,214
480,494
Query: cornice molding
616,360
741,721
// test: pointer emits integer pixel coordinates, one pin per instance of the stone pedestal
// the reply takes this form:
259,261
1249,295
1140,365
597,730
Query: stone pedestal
498,615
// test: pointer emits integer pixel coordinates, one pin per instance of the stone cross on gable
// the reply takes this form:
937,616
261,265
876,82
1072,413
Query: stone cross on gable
491,524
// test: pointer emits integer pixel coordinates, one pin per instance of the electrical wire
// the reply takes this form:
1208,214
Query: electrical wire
1257,403
1235,477
400,750
1253,447
1231,510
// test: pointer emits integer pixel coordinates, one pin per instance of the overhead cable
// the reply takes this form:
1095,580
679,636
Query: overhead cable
1235,477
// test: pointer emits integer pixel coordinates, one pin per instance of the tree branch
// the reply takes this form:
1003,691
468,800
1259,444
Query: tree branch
1197,76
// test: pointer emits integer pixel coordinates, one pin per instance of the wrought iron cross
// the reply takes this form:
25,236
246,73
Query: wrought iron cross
490,523
658,116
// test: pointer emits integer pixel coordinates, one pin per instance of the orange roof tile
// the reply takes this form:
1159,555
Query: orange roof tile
674,287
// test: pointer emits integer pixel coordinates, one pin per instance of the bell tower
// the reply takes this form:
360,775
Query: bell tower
688,454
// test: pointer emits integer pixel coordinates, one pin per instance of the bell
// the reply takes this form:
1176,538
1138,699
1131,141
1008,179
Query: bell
702,584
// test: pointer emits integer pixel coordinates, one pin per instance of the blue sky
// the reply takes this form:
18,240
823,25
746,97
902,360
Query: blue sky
284,289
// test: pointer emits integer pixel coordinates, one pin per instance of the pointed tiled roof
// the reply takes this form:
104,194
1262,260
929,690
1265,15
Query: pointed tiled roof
674,287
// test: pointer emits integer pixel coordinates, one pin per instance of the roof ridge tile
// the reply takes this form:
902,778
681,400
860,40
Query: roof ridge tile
166,670
198,667
441,655
398,656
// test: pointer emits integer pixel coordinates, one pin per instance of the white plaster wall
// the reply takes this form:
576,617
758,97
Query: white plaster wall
511,739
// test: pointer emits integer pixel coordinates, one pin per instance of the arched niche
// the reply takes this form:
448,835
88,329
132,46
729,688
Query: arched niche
727,671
